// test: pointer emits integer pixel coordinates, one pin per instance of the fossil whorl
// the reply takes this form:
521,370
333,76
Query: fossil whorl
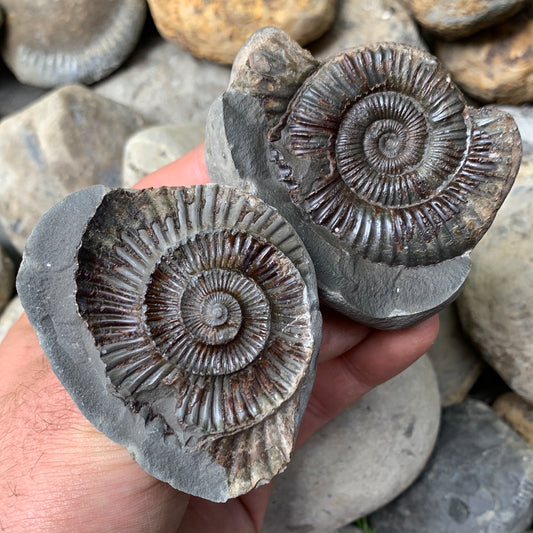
406,173
375,159
51,43
201,311
187,300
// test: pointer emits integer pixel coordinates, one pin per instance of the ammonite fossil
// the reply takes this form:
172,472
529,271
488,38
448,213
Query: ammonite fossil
54,42
377,161
184,322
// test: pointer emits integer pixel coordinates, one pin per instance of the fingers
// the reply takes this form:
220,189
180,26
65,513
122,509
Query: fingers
243,514
344,379
339,334
188,170
386,353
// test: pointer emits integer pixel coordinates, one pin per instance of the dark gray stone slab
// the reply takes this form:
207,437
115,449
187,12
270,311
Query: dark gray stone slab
479,480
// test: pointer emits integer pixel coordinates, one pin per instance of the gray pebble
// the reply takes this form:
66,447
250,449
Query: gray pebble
478,480
362,459
69,139
155,147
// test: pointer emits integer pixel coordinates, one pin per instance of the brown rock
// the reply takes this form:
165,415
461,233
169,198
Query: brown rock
517,413
454,19
216,29
497,64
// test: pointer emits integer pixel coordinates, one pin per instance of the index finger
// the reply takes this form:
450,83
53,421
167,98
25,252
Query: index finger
187,170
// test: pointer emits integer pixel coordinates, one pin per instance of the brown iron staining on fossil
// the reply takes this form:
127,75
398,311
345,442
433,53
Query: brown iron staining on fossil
384,170
200,301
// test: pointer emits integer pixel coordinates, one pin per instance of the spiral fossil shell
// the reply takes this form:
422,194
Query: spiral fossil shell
375,158
405,173
218,315
50,43
201,303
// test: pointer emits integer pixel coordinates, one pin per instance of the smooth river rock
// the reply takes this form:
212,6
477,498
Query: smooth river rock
360,22
215,30
166,84
478,480
155,147
456,362
496,65
7,278
67,140
496,305
453,19
362,459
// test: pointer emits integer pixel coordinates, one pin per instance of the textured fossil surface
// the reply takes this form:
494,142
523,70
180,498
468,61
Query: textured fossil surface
49,43
377,161
184,322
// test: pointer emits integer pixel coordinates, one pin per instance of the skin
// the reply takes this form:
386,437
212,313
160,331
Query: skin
58,473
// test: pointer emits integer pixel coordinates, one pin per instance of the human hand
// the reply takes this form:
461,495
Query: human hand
58,473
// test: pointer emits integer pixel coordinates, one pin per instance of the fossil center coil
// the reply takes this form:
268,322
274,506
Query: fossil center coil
193,300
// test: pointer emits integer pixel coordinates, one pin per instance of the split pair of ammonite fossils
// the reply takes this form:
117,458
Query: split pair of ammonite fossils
185,321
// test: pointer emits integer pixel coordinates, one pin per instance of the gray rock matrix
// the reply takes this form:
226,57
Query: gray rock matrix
197,459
